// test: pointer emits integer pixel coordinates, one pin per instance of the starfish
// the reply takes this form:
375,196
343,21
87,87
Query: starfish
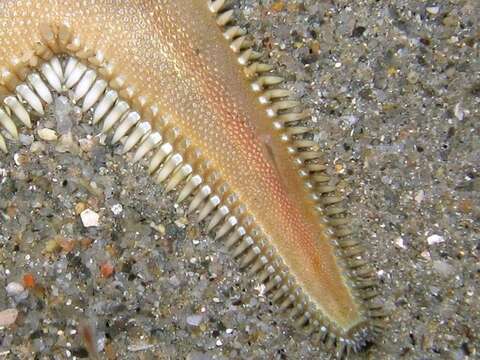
179,84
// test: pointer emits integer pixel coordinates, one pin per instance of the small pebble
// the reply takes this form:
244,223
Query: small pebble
174,281
26,140
140,347
426,255
79,207
400,243
29,281
106,269
434,290
117,209
20,159
66,144
14,288
197,355
420,196
37,147
63,108
351,119
89,218
194,320
8,317
412,77
86,144
158,227
182,222
443,268
47,134
433,9
435,239
459,112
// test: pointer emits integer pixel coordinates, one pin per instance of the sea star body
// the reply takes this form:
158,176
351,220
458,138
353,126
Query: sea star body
177,83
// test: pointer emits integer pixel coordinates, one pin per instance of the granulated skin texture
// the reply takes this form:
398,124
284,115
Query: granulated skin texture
173,54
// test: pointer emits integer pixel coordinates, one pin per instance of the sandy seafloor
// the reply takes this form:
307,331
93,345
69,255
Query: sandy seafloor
396,92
